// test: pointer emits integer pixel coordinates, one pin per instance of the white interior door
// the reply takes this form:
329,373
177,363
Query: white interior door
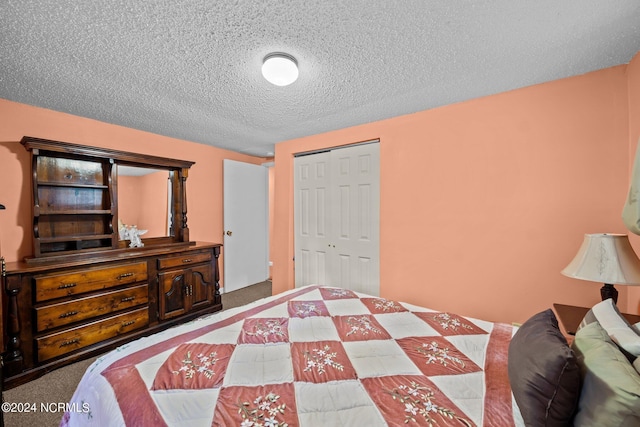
246,224
337,218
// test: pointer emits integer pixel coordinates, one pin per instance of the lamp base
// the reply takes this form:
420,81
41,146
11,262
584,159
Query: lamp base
608,291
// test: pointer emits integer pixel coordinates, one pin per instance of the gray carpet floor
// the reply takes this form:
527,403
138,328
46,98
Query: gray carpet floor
59,385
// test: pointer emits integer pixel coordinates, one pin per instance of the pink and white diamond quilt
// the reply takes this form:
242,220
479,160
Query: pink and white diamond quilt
314,356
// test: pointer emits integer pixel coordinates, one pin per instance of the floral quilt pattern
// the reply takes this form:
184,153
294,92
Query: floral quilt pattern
269,406
321,361
314,356
450,324
437,356
414,400
357,328
261,331
307,309
381,305
194,366
337,293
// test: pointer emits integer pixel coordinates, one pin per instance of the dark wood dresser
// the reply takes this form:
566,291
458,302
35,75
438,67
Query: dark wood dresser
86,289
66,311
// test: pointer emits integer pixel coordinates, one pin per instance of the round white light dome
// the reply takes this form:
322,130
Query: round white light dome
280,69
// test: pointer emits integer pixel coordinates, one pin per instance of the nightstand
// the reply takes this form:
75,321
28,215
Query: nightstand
570,317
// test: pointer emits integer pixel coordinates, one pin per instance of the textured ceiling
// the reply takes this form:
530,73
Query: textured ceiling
191,69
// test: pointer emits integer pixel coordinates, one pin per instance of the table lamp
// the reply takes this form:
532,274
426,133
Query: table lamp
608,259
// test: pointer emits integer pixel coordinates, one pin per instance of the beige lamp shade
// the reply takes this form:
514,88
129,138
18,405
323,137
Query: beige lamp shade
608,259
605,258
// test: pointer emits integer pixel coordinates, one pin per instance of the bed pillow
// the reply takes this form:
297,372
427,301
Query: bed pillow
616,326
544,376
610,386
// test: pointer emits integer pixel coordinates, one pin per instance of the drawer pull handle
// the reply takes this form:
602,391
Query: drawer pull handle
127,299
124,275
70,342
129,323
68,314
67,285
186,260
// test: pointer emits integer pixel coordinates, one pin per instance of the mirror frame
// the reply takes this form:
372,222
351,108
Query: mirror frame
178,171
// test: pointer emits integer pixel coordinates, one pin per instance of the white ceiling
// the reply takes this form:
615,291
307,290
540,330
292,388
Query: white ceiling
190,69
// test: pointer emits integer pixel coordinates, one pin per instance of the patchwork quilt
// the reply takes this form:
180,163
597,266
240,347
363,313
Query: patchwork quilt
313,356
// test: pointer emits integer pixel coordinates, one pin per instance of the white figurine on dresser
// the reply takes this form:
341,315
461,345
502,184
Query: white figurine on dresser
131,233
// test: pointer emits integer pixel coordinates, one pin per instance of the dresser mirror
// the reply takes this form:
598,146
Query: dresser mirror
144,201
84,197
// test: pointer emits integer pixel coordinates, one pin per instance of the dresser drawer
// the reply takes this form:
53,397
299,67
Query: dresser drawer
73,283
184,260
64,313
53,345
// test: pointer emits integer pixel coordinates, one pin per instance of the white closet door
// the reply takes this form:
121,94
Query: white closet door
312,239
356,218
337,218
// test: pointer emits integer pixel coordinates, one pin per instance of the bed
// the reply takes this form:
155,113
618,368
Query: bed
323,356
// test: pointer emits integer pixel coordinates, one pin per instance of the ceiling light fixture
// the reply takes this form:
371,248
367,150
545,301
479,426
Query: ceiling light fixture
280,69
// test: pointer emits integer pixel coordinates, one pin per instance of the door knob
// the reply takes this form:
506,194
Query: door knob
229,233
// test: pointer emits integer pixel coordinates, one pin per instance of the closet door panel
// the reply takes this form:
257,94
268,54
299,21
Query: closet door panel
311,221
337,218
356,207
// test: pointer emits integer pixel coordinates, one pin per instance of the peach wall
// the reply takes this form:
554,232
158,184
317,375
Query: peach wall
633,79
484,202
204,185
